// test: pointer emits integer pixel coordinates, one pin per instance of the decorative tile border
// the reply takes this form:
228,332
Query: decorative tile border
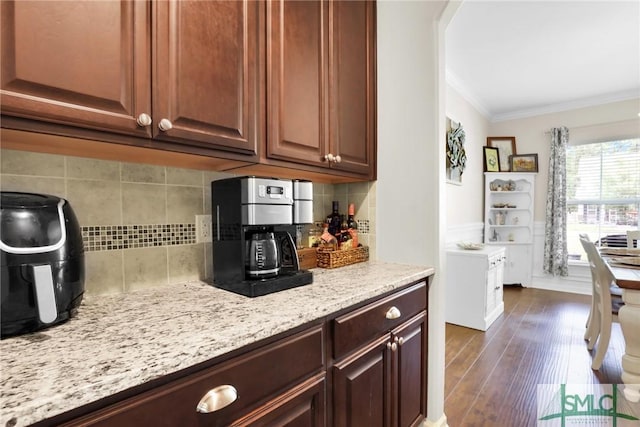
113,237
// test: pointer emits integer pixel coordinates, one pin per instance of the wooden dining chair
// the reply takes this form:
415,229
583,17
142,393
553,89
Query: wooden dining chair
601,317
590,325
631,236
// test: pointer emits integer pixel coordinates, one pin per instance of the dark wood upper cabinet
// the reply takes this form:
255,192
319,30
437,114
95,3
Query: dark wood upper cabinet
206,65
352,100
297,80
288,84
78,63
89,64
321,83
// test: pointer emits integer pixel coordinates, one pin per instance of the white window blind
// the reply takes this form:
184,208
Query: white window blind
603,192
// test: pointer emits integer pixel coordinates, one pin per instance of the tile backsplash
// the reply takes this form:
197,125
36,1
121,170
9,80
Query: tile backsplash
138,220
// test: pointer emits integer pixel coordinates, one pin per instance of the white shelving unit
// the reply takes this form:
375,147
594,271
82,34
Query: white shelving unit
508,221
474,297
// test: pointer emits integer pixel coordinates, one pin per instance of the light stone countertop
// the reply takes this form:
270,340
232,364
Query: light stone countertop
121,341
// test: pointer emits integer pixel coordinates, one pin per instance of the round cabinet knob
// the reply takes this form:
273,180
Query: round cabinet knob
217,398
144,120
400,341
329,158
393,313
165,125
337,159
394,346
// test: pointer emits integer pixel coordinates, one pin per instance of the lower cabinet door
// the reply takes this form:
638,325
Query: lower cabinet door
411,368
303,406
361,387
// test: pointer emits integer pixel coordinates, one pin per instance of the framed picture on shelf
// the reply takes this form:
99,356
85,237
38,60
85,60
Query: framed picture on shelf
491,159
506,146
523,162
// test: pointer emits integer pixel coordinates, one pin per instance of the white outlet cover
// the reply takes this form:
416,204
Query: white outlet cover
203,228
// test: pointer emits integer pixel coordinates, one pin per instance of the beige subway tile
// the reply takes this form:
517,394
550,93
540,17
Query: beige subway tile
95,202
340,190
144,203
206,192
320,189
178,176
27,163
373,249
183,204
186,263
358,188
103,272
33,184
82,168
208,262
145,268
361,205
151,174
372,193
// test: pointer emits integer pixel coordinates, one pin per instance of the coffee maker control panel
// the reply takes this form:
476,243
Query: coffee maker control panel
267,191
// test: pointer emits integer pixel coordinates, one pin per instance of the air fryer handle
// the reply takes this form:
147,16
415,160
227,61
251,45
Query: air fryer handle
45,293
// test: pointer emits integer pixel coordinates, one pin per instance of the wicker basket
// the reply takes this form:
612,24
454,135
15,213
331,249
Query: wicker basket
340,258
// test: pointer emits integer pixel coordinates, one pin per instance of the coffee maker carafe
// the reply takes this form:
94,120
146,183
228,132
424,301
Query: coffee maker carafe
262,258
254,252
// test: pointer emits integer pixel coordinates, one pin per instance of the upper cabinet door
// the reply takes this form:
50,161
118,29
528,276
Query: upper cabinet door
72,62
206,73
352,85
296,80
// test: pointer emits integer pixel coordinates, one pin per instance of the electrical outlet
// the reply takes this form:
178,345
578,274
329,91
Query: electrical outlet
203,228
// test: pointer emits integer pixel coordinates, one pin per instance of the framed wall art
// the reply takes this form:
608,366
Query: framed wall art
524,162
456,154
506,146
491,159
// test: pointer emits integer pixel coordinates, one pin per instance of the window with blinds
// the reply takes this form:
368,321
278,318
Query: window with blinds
603,192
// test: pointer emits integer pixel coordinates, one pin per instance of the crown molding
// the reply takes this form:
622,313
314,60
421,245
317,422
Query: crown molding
566,106
458,86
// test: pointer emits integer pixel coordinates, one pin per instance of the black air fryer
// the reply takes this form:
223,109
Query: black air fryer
42,262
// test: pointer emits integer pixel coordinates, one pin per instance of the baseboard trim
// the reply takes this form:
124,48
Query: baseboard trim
442,422
561,285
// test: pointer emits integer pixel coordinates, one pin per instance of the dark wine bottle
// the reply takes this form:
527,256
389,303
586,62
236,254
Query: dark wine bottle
333,219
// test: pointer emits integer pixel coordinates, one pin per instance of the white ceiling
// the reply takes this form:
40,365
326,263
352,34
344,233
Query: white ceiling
513,59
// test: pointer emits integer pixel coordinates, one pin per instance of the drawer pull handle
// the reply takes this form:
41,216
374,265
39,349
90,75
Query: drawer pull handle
393,313
217,398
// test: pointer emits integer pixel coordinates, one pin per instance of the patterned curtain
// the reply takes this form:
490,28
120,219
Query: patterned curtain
555,230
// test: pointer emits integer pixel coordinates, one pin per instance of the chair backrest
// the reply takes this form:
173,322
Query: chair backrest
631,236
601,274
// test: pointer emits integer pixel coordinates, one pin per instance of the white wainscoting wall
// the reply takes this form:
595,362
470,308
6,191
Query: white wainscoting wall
578,281
471,232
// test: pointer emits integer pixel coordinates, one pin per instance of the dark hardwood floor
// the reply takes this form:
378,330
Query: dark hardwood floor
491,377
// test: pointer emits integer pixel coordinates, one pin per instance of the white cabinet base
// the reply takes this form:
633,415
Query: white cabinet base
474,293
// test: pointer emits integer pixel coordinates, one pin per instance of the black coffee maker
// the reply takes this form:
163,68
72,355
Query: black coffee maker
254,252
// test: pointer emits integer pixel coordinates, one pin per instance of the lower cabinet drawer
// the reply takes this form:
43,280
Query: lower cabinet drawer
257,377
360,326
